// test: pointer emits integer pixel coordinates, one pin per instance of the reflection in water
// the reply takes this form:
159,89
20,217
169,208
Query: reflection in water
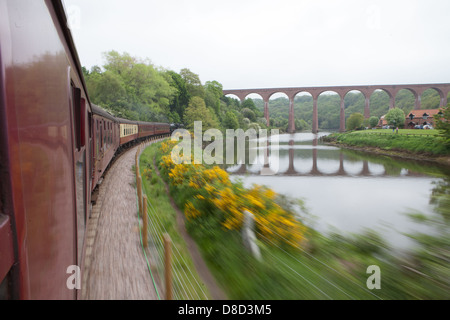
344,189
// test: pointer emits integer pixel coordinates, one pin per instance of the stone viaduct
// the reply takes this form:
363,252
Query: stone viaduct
443,90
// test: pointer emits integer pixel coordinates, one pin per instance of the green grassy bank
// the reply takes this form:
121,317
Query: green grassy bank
421,142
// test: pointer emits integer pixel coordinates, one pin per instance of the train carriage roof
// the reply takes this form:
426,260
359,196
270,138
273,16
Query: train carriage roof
102,112
122,120
151,123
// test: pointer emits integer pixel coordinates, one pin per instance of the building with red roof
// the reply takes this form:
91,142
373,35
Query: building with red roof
416,117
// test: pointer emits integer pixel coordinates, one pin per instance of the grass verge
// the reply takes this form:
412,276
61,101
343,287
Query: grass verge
187,284
323,267
424,143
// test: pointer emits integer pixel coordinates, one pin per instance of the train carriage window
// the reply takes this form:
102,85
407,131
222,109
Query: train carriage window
104,132
79,117
90,124
101,134
97,138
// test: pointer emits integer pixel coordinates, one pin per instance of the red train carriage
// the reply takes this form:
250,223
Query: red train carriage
162,128
146,129
44,151
54,147
105,141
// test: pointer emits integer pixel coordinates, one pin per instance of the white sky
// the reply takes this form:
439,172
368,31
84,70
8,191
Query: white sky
280,43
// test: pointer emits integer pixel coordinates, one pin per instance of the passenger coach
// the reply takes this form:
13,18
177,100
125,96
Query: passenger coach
105,143
54,147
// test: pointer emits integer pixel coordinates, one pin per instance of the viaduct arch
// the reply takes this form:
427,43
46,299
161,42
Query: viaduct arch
443,90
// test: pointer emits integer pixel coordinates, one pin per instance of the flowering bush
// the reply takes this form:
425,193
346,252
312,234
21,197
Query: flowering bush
214,194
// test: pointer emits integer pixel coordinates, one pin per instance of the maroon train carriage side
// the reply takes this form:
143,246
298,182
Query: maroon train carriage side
162,129
54,147
146,129
105,142
44,151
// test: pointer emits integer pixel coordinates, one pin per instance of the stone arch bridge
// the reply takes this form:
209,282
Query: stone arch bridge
443,90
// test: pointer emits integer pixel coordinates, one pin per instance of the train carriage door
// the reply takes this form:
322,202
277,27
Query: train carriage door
79,119
91,148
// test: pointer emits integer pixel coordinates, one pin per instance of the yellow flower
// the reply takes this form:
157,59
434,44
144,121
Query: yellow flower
166,162
269,193
190,211
254,201
176,174
216,174
210,189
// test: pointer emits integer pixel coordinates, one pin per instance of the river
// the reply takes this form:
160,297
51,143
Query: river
346,191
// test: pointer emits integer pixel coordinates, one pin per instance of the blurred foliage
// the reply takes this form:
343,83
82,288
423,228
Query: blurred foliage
443,124
212,193
315,265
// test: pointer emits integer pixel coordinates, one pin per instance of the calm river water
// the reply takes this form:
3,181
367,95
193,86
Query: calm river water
344,190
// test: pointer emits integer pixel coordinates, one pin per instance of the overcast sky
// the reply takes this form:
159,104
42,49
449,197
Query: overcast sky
280,43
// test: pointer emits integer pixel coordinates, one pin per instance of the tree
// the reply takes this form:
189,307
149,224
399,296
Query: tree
248,113
215,87
231,121
301,125
250,104
131,87
395,117
106,89
119,63
354,121
197,111
373,121
180,99
443,124
193,83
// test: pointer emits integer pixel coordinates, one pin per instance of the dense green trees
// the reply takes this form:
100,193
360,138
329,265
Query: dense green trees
130,88
197,111
134,88
180,99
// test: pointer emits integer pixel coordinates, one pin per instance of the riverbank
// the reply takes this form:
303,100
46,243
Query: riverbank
314,266
402,145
